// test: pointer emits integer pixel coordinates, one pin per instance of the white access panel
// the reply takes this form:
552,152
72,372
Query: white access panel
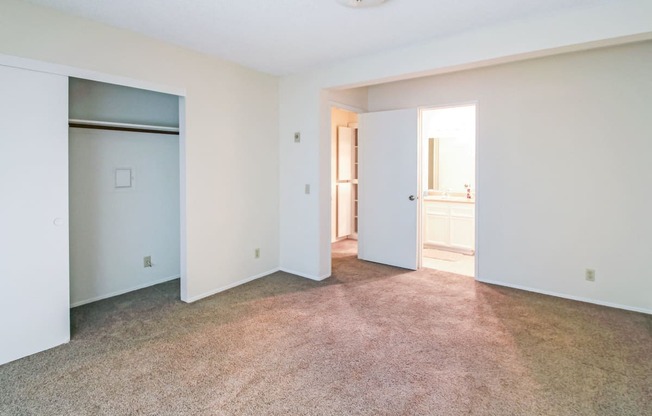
34,271
388,187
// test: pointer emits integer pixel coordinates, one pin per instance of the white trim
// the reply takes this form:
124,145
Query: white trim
99,123
345,107
122,292
306,275
230,286
571,297
69,71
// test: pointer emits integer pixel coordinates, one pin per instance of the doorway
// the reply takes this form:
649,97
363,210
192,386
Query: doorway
344,183
448,143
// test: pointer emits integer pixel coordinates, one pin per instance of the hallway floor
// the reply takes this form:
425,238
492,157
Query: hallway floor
446,261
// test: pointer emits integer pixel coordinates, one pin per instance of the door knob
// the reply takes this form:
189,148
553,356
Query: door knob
412,197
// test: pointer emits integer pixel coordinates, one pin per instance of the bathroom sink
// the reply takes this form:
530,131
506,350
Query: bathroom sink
448,198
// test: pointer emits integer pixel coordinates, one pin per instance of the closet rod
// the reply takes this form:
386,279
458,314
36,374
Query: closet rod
137,128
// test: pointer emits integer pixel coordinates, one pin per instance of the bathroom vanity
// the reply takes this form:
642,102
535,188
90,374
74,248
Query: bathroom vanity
449,223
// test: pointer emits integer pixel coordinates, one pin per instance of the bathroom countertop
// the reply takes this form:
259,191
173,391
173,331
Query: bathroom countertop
456,199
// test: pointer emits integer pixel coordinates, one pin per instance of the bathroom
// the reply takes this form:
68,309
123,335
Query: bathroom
449,178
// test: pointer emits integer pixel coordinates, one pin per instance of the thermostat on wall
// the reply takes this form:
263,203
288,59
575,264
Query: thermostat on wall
123,178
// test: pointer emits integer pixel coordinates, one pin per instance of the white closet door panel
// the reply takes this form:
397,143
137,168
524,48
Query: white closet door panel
344,204
34,300
344,153
388,183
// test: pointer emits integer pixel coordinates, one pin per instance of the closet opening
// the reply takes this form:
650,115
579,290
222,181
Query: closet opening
124,189
344,183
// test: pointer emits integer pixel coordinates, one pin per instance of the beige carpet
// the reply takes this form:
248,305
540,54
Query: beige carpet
371,340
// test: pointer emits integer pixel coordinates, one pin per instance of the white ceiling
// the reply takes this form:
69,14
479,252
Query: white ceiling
289,36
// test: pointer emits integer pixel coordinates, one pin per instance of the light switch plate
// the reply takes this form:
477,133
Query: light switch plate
297,137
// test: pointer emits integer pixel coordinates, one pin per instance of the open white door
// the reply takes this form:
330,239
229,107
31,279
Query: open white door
34,300
388,187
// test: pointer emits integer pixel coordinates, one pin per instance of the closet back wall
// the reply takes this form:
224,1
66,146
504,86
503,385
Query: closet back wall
112,229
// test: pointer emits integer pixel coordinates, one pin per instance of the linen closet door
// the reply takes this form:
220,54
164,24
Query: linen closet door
34,273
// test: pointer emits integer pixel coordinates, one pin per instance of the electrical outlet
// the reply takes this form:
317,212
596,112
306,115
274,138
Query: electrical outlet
297,137
307,189
147,261
257,253
589,275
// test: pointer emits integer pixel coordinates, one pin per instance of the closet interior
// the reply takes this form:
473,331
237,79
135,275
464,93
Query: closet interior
123,189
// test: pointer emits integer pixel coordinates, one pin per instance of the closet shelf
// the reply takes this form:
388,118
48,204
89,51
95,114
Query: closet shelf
108,125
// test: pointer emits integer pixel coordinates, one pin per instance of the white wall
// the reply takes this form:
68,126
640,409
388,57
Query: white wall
112,229
303,217
305,227
231,145
563,156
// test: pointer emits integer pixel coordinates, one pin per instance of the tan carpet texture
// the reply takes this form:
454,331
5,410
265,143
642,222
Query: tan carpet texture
370,340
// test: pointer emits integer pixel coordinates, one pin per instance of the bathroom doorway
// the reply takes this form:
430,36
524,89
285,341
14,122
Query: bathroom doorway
344,183
448,215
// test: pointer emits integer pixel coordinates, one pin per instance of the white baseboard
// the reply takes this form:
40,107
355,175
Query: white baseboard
122,292
306,275
231,285
571,297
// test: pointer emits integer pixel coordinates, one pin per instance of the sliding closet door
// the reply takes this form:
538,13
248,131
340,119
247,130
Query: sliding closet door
34,297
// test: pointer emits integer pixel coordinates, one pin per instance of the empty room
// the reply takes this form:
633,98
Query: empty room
243,208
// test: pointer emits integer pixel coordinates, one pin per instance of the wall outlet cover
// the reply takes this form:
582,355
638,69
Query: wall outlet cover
589,275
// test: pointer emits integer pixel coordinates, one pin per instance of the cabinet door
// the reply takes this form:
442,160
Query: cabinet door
34,300
344,204
462,227
437,224
344,153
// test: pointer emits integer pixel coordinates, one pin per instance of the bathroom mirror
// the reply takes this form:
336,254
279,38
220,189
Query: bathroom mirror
451,164
449,148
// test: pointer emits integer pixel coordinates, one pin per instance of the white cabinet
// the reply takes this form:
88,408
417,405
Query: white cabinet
344,153
462,226
449,225
344,217
437,220
347,183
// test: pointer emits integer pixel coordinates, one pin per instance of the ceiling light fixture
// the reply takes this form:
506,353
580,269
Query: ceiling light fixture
360,3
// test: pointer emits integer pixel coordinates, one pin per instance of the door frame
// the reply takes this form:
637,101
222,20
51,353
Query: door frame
421,110
331,105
